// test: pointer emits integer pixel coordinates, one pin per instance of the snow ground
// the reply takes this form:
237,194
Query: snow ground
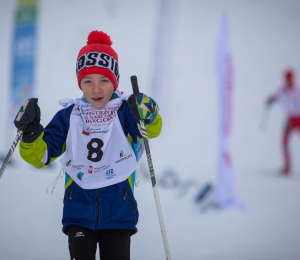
269,229
264,38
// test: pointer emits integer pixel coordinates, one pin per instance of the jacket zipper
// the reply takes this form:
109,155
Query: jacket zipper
97,208
69,194
127,195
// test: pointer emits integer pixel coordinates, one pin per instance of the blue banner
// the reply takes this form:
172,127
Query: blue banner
23,54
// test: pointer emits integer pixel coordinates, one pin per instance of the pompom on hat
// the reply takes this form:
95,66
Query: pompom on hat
98,57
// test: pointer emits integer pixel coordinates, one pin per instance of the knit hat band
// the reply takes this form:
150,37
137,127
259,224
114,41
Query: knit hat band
98,62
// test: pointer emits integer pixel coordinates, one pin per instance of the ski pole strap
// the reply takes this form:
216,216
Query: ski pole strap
22,129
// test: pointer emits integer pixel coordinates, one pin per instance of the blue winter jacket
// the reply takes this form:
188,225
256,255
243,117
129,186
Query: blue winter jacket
112,207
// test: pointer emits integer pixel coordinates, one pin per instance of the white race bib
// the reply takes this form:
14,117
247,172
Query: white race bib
97,151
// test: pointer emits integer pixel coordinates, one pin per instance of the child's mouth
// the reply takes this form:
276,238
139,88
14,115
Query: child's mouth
97,99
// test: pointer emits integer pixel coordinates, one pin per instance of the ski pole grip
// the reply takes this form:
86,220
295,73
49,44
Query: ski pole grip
35,100
134,84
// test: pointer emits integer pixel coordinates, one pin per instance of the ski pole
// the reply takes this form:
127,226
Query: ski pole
12,149
135,89
264,118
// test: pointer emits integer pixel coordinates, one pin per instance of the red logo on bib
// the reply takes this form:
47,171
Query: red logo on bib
90,169
86,131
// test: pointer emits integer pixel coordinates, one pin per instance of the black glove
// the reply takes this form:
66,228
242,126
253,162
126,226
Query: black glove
141,107
29,117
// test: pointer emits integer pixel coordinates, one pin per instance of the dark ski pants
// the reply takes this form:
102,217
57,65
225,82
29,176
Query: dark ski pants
114,244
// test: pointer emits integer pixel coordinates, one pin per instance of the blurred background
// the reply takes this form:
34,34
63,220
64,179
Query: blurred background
182,36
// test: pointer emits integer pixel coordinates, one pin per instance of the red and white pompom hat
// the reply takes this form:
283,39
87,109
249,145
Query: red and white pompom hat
98,57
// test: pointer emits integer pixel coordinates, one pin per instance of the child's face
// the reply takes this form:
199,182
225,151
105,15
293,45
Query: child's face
97,89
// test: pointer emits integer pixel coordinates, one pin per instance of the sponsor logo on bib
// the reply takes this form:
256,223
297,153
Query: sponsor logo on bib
68,163
123,157
86,131
110,174
79,175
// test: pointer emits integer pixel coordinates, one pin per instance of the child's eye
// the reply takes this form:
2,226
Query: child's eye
104,80
87,81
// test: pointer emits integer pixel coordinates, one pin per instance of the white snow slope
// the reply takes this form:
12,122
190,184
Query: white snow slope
265,40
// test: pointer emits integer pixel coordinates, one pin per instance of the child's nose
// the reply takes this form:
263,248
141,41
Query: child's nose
97,88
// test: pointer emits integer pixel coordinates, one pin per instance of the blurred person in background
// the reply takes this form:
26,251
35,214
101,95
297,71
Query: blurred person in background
288,96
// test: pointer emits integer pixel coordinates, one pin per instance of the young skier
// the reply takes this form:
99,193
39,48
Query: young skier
101,143
289,98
